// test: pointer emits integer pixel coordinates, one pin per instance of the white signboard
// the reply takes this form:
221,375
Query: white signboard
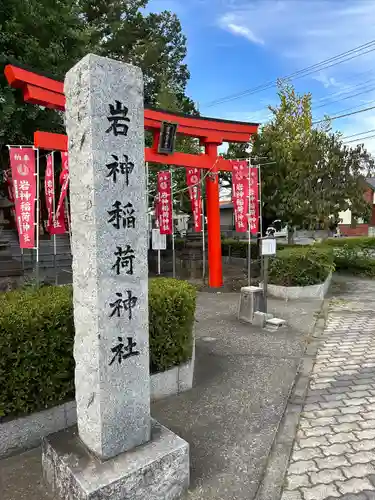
268,246
159,241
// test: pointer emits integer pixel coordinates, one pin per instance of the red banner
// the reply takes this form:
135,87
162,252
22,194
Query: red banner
254,201
193,178
245,197
49,189
164,208
58,225
240,194
22,162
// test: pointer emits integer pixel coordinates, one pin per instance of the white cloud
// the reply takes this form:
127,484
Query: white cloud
230,23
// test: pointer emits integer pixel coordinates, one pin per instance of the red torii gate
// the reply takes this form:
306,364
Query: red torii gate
211,132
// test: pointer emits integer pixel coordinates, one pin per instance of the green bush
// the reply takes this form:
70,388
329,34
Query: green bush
301,266
37,337
171,318
355,242
353,255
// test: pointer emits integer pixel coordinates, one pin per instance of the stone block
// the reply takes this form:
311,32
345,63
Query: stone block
259,319
165,383
251,300
155,470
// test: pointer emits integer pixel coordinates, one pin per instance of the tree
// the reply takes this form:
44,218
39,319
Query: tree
45,35
154,42
309,174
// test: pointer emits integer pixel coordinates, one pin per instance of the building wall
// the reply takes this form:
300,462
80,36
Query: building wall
226,218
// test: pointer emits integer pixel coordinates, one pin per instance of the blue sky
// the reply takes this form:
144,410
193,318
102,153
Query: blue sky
235,45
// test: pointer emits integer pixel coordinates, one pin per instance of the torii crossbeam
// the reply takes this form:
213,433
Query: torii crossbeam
211,132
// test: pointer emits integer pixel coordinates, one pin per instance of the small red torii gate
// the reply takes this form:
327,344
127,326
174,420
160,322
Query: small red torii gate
211,132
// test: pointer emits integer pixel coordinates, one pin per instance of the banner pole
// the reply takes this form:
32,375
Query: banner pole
37,216
248,226
173,235
147,205
54,208
260,221
203,236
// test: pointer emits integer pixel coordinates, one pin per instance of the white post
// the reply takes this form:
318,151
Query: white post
173,235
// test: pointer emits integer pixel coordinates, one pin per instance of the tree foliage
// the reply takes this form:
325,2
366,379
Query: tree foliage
50,37
309,175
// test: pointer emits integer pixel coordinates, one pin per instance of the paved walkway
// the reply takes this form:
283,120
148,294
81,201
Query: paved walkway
334,452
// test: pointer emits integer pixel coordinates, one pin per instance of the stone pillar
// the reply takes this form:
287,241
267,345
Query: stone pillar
105,126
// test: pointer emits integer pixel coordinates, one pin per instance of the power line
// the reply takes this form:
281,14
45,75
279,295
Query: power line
329,118
302,72
346,109
359,133
360,139
349,96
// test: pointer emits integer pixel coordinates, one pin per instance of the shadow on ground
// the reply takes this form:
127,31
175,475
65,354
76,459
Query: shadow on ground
243,378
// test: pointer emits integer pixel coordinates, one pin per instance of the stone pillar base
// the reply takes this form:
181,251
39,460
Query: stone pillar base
156,470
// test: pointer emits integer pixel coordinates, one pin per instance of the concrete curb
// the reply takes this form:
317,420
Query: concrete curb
272,484
300,292
26,432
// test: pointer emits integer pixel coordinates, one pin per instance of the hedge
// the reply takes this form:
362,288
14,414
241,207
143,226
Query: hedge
355,242
37,337
301,266
353,255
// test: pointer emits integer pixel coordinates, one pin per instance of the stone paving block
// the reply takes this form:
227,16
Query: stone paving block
320,492
371,399
338,390
308,414
311,407
322,421
355,485
342,437
351,410
332,462
334,397
295,481
327,413
356,402
366,424
360,394
337,449
358,470
365,434
313,441
326,476
370,407
369,415
302,466
291,495
317,431
346,427
331,404
362,457
307,454
365,445
361,387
